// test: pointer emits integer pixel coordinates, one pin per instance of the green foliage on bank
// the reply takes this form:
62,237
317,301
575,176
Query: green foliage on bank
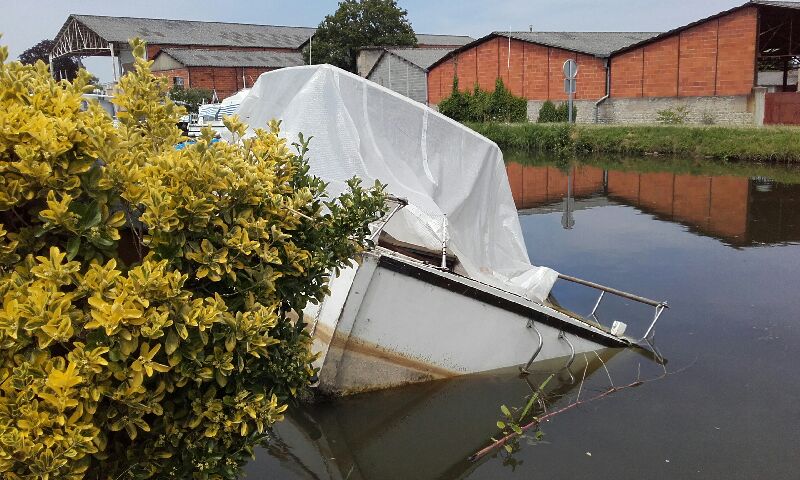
770,144
552,113
481,106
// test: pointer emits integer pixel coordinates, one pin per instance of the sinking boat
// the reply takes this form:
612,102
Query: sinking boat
449,288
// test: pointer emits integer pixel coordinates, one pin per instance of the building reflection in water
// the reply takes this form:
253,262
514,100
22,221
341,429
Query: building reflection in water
740,211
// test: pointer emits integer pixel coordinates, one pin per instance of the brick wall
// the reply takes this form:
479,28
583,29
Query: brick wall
488,63
534,71
716,57
698,60
660,76
512,66
466,67
737,49
537,83
627,74
722,110
225,80
171,74
434,80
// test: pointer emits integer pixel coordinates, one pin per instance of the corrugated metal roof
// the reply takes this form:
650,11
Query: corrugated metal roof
421,57
195,57
452,41
600,44
751,3
191,32
795,5
445,40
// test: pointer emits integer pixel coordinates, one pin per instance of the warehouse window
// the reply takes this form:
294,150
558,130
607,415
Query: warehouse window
177,81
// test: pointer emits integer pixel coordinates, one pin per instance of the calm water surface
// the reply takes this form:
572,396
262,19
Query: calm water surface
721,244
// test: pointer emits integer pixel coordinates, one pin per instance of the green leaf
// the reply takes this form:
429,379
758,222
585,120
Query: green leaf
501,425
73,245
182,331
172,342
221,379
89,214
505,411
80,165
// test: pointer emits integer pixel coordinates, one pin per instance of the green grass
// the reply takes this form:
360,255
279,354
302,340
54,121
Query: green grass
767,145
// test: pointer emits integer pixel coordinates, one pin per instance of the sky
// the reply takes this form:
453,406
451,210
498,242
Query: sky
23,23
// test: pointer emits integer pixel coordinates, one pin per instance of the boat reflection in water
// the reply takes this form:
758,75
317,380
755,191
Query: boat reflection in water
424,430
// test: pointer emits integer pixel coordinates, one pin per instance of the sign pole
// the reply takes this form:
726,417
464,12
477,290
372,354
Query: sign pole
570,103
570,72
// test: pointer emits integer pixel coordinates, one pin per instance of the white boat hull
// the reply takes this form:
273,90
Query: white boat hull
392,320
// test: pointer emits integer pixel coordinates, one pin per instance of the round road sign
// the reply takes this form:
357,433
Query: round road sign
570,69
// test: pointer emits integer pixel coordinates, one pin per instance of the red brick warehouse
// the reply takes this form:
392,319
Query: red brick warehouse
224,57
708,67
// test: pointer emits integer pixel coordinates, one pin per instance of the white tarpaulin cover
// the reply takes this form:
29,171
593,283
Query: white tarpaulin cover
441,167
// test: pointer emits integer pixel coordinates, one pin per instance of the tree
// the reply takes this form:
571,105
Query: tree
479,105
190,98
63,67
146,291
357,24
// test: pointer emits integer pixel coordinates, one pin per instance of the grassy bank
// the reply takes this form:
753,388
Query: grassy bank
771,144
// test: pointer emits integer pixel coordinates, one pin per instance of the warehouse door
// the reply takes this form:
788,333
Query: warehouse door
782,108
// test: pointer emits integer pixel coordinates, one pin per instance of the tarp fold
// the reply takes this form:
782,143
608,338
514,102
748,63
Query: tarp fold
443,168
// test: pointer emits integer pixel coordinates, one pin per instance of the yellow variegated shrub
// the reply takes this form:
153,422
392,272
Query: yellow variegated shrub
143,329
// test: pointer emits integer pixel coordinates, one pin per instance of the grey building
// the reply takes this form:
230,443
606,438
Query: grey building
405,70
367,56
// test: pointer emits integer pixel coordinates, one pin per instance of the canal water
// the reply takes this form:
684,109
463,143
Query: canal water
720,243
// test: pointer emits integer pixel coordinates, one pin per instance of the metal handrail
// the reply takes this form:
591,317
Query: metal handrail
400,203
659,306
563,336
614,291
524,370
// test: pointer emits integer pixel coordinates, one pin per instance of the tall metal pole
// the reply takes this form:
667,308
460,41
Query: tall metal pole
570,102
113,61
508,57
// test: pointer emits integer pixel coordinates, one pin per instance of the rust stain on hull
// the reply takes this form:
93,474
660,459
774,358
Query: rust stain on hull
365,366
